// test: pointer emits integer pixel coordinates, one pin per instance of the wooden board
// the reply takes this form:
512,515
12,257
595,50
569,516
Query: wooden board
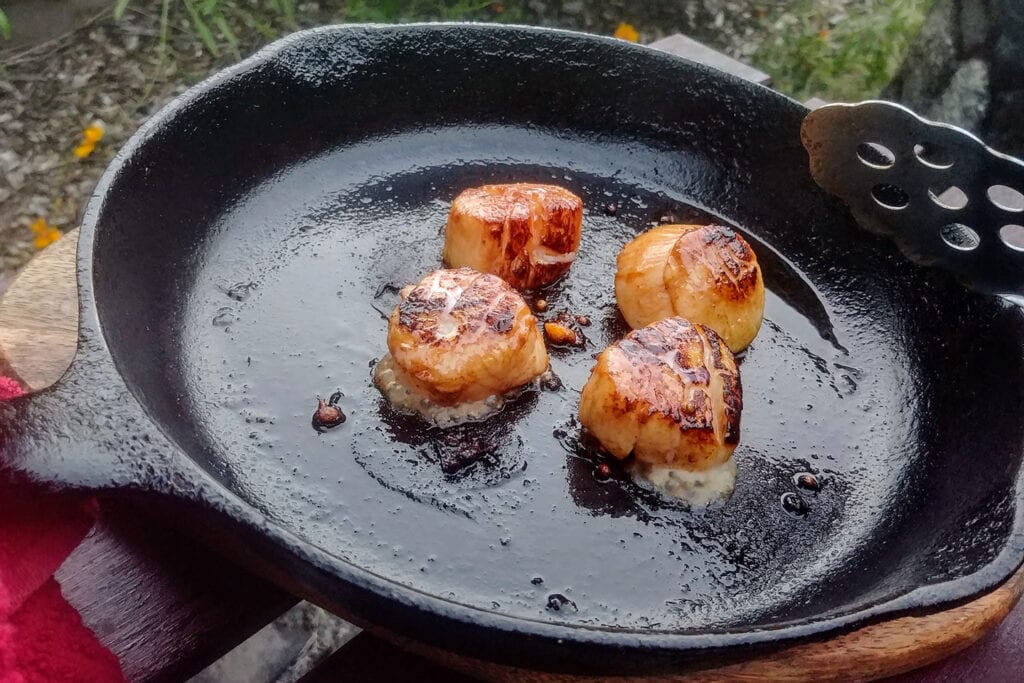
38,324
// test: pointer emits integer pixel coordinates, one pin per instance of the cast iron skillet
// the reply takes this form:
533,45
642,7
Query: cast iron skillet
239,256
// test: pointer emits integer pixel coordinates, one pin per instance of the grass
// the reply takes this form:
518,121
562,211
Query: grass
392,11
840,58
218,23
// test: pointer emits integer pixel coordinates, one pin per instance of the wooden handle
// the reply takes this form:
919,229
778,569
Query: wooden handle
38,332
39,317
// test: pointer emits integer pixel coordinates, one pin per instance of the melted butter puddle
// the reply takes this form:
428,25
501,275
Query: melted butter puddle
694,487
387,375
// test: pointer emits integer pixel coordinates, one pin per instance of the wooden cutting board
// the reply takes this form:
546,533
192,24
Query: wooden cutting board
38,331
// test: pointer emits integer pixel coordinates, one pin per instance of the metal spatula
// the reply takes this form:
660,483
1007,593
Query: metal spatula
945,198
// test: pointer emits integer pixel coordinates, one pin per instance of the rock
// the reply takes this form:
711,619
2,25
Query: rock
930,62
1006,113
15,178
974,25
1009,47
965,100
979,84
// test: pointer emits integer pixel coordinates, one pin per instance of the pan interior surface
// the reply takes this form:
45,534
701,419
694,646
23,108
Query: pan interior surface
275,284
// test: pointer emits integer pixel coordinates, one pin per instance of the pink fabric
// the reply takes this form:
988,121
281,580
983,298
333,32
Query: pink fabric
42,637
9,388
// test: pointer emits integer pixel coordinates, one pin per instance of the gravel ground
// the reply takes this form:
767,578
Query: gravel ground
116,75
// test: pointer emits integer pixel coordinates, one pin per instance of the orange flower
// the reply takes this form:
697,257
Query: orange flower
90,136
93,133
45,234
823,34
628,32
84,149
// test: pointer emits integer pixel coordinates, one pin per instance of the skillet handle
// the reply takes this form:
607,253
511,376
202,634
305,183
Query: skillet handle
937,191
55,440
57,437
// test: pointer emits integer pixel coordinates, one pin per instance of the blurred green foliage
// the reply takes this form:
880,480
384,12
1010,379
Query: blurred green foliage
845,56
5,25
434,10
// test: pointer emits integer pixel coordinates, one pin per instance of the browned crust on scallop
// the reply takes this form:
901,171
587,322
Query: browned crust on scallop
658,385
461,335
724,255
484,300
707,274
515,219
672,377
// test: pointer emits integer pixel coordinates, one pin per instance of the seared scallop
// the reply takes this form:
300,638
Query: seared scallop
525,234
705,273
459,338
670,395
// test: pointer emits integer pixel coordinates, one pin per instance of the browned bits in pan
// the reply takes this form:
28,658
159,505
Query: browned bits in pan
328,415
557,333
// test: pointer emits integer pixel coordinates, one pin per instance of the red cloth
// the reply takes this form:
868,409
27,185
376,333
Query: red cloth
42,637
9,388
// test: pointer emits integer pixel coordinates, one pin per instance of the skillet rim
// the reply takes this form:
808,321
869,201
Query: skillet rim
205,489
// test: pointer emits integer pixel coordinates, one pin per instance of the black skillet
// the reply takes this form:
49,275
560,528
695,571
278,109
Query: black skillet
241,251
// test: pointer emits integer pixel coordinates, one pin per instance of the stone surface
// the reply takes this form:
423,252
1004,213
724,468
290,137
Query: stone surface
965,101
966,67
931,61
975,25
283,651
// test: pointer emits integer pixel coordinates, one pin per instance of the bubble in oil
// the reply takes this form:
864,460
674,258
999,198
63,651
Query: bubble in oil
240,291
794,504
225,316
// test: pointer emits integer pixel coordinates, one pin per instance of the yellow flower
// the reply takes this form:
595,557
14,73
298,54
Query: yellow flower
627,32
45,234
93,133
84,149
823,34
90,136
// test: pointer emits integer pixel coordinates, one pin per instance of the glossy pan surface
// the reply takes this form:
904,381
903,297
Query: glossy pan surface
243,251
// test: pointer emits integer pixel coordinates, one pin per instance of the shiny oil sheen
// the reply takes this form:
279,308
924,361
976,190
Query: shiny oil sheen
386,492
245,249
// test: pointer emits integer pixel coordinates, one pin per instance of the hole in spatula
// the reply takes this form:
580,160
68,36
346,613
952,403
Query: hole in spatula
1006,198
933,156
952,198
1012,236
875,155
890,196
960,237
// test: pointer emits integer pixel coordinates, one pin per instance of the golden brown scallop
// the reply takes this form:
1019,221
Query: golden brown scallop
668,393
459,337
524,233
704,273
